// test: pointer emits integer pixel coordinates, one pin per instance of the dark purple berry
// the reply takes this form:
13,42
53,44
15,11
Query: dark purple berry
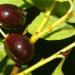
19,47
11,16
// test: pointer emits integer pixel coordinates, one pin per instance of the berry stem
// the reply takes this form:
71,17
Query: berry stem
0,24
44,20
15,69
1,31
25,31
49,29
45,61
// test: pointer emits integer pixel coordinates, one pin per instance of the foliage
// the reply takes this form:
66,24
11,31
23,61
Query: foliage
51,12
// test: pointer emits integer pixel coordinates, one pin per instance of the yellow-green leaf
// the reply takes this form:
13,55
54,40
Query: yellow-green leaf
2,52
58,69
15,2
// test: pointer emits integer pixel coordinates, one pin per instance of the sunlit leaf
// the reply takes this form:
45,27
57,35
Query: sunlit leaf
10,62
2,51
58,69
72,18
35,23
15,2
74,5
61,0
64,31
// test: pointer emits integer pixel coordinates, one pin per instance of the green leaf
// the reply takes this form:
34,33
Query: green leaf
74,5
61,8
8,67
72,19
15,2
2,51
58,69
3,64
60,32
1,73
43,5
61,0
10,62
63,31
35,23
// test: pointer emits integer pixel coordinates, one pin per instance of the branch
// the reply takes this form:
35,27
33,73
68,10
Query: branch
4,35
45,61
36,36
44,20
15,69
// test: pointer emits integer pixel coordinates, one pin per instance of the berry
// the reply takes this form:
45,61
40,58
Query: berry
11,16
19,47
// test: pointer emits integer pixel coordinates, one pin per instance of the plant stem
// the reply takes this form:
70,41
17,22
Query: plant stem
4,35
44,20
45,61
0,24
15,69
49,29
67,48
25,31
37,65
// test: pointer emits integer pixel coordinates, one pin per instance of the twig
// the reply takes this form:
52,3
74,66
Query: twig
44,20
15,69
0,24
45,61
35,37
4,35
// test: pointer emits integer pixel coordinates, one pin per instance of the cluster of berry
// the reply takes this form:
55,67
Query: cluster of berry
17,46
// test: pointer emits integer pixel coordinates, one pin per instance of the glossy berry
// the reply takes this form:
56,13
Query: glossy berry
19,47
11,16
